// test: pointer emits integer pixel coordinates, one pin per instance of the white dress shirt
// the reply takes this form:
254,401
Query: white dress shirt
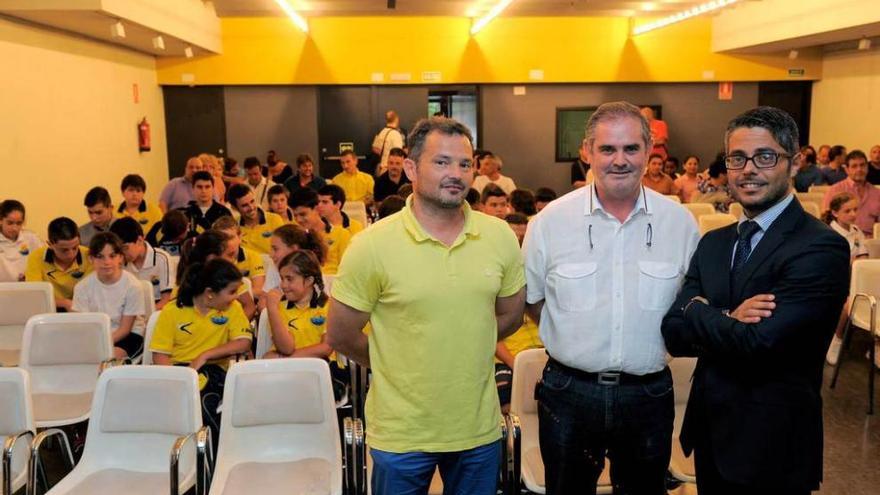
606,285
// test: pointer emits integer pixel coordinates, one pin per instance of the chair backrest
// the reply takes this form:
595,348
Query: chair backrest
16,414
700,209
682,370
819,189
356,210
528,367
277,410
876,231
148,336
736,210
264,335
815,197
873,246
138,412
715,221
21,300
812,208
63,351
149,302
673,197
865,277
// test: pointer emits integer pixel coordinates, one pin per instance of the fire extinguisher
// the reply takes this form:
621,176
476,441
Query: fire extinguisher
144,135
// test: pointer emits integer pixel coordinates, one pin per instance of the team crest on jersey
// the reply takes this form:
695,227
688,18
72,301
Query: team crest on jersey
267,233
143,221
318,320
24,250
219,320
77,274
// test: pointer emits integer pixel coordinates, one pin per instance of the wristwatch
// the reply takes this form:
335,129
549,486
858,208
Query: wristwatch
695,299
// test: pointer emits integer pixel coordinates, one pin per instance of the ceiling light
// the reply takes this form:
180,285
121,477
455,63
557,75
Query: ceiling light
117,30
188,51
864,44
680,16
297,19
159,43
493,13
792,54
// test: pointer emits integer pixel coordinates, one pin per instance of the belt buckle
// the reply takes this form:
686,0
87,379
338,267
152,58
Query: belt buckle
608,378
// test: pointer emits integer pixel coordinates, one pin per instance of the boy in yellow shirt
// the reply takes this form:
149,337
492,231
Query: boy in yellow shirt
331,199
63,263
358,186
256,224
134,206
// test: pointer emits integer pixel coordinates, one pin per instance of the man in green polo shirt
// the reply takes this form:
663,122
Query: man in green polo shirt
440,285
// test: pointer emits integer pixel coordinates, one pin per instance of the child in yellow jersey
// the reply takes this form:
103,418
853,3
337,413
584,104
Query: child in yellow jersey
203,328
298,320
525,338
288,239
256,224
249,262
63,263
304,203
278,196
147,215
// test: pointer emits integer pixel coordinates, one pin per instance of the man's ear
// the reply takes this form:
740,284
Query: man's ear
409,168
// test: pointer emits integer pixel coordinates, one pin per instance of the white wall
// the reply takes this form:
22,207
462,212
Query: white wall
68,121
846,102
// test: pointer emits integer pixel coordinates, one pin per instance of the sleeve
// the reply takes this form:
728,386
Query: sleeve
513,279
163,334
165,275
33,271
826,201
395,140
343,241
258,268
357,283
370,183
239,327
165,195
134,299
81,298
535,264
377,140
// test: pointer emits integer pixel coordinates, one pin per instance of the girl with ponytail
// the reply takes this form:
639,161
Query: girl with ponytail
288,239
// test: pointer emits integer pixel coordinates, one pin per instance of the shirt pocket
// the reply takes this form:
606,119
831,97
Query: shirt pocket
658,284
574,285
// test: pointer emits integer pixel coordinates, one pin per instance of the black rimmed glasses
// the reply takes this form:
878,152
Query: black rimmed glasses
763,159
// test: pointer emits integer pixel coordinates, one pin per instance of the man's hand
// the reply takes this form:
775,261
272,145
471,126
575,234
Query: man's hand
198,362
755,308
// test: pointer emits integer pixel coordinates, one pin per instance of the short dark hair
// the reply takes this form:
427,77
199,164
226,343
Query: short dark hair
304,158
472,197
777,122
202,175
10,205
855,154
397,152
516,219
336,193
62,229
228,164
128,229
97,195
443,125
133,181
836,150
104,239
673,160
251,162
309,240
236,192
492,191
174,224
716,168
216,275
349,152
391,205
523,201
276,190
545,195
303,197
405,190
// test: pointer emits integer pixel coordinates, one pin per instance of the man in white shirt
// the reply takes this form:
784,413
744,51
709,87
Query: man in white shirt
603,264
490,172
388,138
253,173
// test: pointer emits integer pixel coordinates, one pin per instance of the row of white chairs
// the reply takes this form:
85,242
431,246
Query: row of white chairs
141,416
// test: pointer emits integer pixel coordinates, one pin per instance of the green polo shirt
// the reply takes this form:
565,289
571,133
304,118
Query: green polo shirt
432,309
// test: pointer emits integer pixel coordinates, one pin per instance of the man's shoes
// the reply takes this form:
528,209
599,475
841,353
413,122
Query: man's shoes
833,353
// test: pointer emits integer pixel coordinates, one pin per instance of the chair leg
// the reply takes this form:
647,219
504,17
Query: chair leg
847,335
871,373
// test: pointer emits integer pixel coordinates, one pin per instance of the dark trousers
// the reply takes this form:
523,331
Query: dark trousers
710,482
581,421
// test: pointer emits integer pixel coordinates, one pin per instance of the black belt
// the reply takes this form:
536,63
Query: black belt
607,377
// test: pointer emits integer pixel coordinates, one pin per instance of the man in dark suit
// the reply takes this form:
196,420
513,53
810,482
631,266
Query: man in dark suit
758,308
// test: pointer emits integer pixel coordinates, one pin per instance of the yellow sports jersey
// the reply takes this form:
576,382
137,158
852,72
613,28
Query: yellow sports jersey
258,236
354,226
147,215
249,263
307,326
41,267
184,333
356,186
526,337
337,240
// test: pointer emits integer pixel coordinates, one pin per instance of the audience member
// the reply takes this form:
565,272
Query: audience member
490,173
134,205
835,172
203,210
358,186
659,133
331,199
579,169
288,239
257,225
655,178
258,183
391,205
518,223
115,292
305,175
856,184
754,413
145,261
390,181
874,165
543,197
249,262
214,166
276,170
494,201
822,155
16,243
100,210
278,197
688,182
62,263
523,201
407,189
179,191
170,233
808,173
390,137
232,172
457,351
670,167
714,190
336,237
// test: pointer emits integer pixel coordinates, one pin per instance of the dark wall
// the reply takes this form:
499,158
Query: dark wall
522,128
194,124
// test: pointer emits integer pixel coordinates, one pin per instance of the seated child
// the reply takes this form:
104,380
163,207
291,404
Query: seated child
249,262
278,196
134,206
171,232
288,239
15,242
63,263
145,261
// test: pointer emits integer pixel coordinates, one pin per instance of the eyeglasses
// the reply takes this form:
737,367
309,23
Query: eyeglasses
764,159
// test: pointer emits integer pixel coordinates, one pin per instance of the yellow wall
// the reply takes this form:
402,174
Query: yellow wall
338,50
846,102
68,121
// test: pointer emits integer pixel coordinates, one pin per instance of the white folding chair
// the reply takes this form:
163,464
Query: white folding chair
148,337
149,302
715,221
864,290
873,246
673,197
140,415
812,208
680,466
812,197
876,231
736,210
528,368
356,210
20,301
279,431
819,189
16,428
264,336
64,353
700,209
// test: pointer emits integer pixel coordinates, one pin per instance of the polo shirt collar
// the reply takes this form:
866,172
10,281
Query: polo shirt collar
49,257
149,256
261,217
644,203
414,228
141,207
241,256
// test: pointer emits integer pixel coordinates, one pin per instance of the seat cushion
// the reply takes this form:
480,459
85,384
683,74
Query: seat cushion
115,481
56,407
311,476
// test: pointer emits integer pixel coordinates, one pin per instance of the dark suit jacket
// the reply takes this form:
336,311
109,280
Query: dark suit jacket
755,394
